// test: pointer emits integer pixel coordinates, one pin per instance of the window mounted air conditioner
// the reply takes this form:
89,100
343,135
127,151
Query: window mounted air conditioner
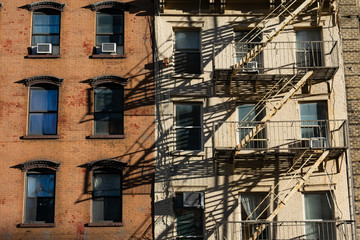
108,47
251,66
193,199
44,48
319,142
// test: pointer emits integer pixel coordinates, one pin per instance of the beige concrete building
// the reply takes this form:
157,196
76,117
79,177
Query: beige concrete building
251,120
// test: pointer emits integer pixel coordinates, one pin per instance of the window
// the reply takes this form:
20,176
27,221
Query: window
107,201
187,51
40,196
108,112
319,207
313,123
110,30
45,31
309,48
253,207
245,44
249,116
43,109
188,129
189,212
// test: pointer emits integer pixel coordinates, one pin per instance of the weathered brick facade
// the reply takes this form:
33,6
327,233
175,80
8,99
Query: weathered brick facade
73,148
349,11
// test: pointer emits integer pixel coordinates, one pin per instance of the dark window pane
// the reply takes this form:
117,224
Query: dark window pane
187,62
107,99
53,39
188,139
43,99
106,184
108,123
188,115
109,23
190,222
107,209
118,39
313,111
186,40
42,123
40,210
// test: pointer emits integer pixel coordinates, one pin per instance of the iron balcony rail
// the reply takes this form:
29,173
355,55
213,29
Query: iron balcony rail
276,230
282,134
277,57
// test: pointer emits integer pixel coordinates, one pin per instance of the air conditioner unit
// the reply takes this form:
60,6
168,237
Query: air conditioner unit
319,142
108,47
44,48
251,66
193,199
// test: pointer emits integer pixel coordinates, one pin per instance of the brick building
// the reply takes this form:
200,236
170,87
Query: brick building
76,119
349,12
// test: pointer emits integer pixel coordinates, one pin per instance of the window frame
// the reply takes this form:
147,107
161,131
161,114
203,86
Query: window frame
55,47
201,127
106,170
188,51
111,86
184,209
34,223
45,86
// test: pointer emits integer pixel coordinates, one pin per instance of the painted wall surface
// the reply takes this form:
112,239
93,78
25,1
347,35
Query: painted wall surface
75,122
186,171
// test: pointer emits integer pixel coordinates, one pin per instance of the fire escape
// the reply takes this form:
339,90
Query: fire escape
273,72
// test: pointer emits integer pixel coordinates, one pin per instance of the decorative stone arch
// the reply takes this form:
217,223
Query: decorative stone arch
42,79
108,4
45,4
38,164
108,79
104,163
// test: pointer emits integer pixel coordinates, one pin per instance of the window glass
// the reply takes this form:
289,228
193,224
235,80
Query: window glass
319,206
40,197
188,127
186,40
309,48
46,27
108,114
110,28
189,219
309,113
43,110
107,205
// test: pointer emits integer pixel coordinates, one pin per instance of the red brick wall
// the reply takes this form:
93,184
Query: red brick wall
72,149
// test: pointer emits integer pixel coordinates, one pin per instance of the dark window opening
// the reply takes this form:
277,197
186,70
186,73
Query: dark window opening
108,112
110,31
43,109
309,48
188,128
40,196
107,196
187,55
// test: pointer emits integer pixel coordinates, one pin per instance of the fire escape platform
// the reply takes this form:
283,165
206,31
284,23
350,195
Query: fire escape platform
250,84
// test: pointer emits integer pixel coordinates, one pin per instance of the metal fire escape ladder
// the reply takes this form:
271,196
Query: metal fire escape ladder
274,110
288,20
293,190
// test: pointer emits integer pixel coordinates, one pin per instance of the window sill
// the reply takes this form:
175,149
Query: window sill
104,224
115,136
42,56
107,56
187,153
26,137
36,225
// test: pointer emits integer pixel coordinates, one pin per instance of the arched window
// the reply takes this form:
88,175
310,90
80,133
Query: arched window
45,40
40,196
